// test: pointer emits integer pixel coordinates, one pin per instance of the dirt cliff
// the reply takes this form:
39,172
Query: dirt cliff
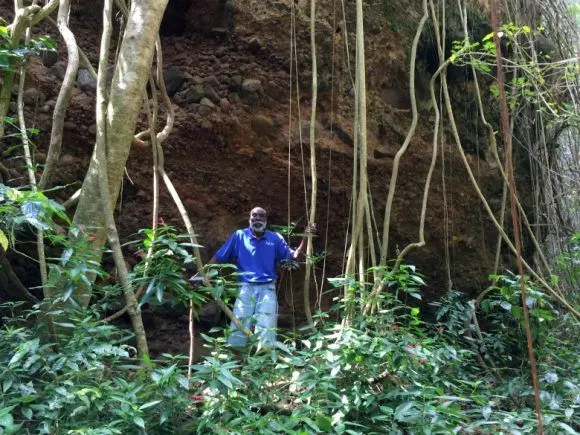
237,141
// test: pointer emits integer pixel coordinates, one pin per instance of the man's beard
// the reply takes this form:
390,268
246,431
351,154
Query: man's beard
258,226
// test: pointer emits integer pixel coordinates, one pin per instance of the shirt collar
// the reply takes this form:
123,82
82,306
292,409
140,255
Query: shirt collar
251,234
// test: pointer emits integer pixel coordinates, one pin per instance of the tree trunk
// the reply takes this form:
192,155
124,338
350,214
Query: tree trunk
132,71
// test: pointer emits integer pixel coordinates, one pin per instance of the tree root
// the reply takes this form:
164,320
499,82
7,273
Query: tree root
20,289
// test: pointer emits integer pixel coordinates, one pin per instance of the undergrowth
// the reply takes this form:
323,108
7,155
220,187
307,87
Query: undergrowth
386,372
389,372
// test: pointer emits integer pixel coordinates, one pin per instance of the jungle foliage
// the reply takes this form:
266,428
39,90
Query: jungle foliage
390,371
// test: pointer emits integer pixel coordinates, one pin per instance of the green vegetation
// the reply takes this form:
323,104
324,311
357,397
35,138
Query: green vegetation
388,372
12,56
385,372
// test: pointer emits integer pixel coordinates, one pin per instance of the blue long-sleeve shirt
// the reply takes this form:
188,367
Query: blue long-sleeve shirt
256,258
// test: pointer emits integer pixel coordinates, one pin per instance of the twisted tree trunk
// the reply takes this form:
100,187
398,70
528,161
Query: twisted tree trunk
132,71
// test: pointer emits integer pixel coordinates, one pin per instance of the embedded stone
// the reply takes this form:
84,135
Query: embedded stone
224,104
173,78
263,125
192,95
212,94
211,81
86,81
33,96
251,85
49,57
207,102
255,45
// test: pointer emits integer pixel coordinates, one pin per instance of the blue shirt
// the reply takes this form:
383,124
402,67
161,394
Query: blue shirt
256,258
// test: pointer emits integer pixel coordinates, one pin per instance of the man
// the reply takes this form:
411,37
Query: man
256,251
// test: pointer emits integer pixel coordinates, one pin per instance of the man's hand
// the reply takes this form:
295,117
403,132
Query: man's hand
309,229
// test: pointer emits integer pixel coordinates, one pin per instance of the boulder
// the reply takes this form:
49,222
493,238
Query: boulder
237,80
191,95
219,33
255,45
49,57
212,94
224,104
207,102
33,97
205,107
263,125
211,81
251,85
59,69
86,81
173,78
67,160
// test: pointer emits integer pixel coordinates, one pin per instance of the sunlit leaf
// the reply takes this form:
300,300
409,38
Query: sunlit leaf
4,241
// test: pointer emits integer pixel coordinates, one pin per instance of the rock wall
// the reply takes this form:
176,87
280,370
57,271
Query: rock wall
234,144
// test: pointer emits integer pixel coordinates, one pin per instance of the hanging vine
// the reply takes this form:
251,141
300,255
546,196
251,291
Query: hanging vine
313,173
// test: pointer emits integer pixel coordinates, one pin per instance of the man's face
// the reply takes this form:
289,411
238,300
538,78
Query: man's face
258,219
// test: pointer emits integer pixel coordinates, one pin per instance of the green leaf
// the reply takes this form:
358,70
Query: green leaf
16,357
66,325
148,292
406,411
6,420
6,384
68,292
183,382
66,255
487,37
4,241
418,279
139,422
324,423
506,305
27,412
159,292
4,62
567,428
150,404
225,381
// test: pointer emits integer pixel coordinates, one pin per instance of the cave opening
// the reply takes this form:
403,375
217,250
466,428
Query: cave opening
175,18
184,17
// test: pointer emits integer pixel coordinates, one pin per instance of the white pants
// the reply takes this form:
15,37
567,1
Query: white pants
256,305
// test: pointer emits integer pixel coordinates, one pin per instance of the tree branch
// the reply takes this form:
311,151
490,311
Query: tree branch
64,96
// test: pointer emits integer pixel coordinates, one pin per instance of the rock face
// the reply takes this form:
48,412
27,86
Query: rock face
234,125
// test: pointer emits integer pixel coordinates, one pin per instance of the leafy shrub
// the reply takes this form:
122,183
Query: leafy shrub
389,373
89,385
